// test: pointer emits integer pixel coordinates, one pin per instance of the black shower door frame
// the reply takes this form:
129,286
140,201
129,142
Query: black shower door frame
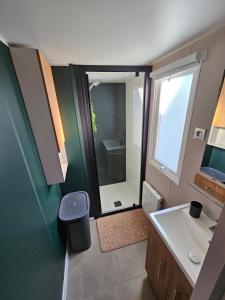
82,103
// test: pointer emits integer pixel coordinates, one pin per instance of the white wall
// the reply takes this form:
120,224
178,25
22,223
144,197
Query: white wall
204,107
133,152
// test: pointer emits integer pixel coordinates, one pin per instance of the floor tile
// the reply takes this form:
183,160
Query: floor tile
128,263
119,274
137,288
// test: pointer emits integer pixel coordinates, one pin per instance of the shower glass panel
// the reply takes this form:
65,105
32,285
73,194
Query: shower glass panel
116,101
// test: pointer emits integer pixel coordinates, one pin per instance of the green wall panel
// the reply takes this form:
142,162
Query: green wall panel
214,157
109,104
217,160
207,156
29,267
76,177
32,255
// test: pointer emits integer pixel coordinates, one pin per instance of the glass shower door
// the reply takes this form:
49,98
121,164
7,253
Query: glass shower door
116,111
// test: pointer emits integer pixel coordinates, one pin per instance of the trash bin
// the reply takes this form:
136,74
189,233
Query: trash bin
74,214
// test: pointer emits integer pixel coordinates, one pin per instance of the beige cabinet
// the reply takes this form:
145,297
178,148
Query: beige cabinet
37,87
219,117
166,277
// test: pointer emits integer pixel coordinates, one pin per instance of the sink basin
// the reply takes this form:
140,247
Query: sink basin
183,235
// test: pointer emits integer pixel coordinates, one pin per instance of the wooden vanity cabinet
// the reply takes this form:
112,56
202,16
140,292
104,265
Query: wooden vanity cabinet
158,265
179,288
166,277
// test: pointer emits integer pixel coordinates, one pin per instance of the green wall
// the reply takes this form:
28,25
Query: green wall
76,177
217,160
31,252
109,101
207,156
214,157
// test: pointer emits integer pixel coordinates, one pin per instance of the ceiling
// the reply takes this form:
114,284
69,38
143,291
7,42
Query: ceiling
125,32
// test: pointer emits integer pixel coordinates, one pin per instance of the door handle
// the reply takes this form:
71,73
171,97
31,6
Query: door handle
176,294
160,269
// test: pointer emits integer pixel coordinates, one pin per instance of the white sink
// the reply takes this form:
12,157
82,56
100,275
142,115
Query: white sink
184,234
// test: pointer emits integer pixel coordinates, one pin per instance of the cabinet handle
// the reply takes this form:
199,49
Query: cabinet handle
175,294
160,269
207,188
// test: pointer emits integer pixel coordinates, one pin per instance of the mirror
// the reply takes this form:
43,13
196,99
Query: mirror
212,175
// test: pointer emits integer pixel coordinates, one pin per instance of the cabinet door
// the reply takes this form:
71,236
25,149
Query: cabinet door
30,78
152,260
219,120
158,265
179,288
52,99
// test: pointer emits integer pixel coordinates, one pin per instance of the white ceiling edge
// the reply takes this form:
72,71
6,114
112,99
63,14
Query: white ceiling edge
210,31
102,32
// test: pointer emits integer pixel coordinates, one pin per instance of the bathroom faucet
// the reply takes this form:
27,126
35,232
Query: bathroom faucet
213,227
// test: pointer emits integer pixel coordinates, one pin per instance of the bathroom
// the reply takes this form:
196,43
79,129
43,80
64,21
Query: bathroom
174,266
129,113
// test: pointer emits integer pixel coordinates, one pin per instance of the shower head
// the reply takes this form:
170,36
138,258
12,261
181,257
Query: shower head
93,84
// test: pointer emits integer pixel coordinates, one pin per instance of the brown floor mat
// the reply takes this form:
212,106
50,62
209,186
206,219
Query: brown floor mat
122,229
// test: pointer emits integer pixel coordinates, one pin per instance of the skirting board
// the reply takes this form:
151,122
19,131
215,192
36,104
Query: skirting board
66,270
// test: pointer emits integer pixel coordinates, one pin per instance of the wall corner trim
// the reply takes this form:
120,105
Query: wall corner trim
66,272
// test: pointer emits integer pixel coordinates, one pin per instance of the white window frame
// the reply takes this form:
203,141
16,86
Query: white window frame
187,65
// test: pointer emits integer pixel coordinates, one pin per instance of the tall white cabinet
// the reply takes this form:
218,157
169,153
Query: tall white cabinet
37,86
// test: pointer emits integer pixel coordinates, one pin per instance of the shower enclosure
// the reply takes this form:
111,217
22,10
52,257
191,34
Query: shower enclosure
108,106
116,102
113,105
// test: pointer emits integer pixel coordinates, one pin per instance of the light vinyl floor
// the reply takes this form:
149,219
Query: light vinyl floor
115,275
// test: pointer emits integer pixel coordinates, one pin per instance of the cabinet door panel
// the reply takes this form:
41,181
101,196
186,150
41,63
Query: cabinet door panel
166,277
52,98
30,78
158,265
152,260
218,120
179,288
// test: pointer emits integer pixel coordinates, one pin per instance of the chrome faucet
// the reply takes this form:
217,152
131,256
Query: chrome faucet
212,228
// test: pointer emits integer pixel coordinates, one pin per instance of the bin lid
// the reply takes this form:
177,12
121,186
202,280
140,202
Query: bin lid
74,206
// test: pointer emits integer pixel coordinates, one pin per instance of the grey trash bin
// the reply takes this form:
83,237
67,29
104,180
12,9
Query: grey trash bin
74,214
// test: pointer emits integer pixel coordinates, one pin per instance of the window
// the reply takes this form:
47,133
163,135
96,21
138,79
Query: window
137,115
173,98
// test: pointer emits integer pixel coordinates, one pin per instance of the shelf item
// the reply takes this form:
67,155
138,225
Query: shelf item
37,86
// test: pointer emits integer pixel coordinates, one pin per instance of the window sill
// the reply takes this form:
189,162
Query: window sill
174,178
